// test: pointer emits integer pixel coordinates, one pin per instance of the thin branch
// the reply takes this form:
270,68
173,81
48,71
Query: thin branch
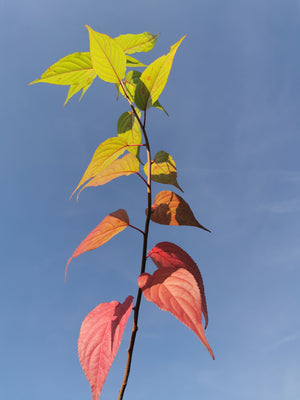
137,229
144,252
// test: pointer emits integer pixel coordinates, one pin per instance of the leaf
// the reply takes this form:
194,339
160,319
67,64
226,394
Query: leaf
108,58
106,153
110,226
72,69
99,340
154,79
135,43
176,290
133,62
126,165
166,254
170,209
163,169
131,80
75,70
129,130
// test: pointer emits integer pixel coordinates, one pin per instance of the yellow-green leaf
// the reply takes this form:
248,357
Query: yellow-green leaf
126,165
132,43
72,69
133,62
154,78
108,58
163,169
75,70
106,153
130,82
129,130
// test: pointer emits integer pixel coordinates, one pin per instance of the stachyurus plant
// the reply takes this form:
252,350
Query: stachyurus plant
176,286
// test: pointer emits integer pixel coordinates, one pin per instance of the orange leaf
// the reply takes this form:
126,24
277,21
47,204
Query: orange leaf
170,209
166,254
110,226
176,290
99,340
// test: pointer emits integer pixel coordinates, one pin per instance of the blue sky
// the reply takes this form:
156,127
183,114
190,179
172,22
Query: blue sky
233,100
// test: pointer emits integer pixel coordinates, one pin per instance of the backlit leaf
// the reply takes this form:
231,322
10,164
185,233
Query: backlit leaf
108,58
154,79
126,165
166,254
176,290
135,43
129,130
99,340
130,82
69,70
106,153
133,62
110,226
170,209
75,70
163,169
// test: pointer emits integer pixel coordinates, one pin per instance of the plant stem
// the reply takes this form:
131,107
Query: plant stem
144,252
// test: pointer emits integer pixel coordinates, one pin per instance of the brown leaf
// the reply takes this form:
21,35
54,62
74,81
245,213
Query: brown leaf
170,209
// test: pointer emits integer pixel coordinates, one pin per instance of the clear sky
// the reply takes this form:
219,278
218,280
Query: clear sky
233,99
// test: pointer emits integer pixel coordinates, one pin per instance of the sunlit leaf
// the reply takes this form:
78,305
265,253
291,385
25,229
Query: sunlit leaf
154,79
170,209
126,165
176,290
163,169
133,62
99,340
106,153
108,58
69,70
130,82
110,226
129,130
166,254
76,87
135,43
75,70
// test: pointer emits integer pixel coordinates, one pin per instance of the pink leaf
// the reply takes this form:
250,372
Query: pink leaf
177,291
166,254
99,340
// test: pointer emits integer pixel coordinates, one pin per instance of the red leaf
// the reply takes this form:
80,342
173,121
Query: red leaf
110,226
170,209
166,254
176,290
99,340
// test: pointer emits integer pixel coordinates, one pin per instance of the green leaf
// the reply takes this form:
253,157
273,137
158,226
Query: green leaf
106,153
154,79
108,58
126,165
129,130
163,169
131,43
133,62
